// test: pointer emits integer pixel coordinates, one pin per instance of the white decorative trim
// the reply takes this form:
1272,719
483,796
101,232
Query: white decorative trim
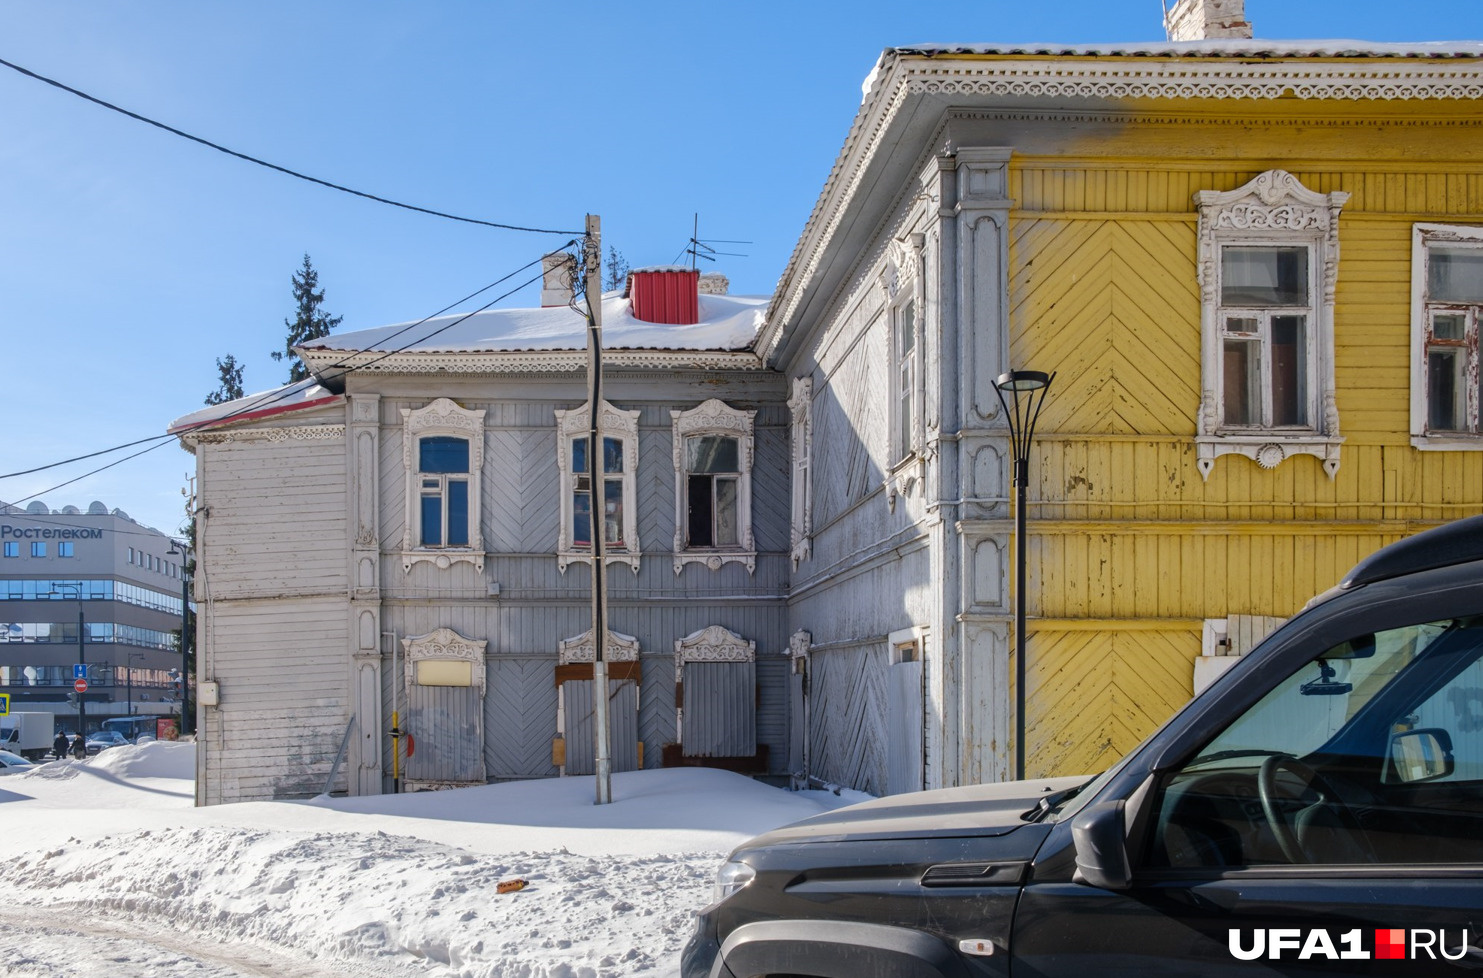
446,644
712,644
801,438
307,432
491,363
799,644
715,417
1422,237
624,426
443,417
581,648
1272,209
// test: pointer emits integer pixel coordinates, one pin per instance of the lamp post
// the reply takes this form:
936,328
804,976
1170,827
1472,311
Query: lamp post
81,656
185,617
1027,388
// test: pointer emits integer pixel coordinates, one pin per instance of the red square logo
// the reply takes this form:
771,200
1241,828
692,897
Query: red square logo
1390,944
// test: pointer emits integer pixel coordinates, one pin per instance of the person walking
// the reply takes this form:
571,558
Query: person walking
79,747
59,746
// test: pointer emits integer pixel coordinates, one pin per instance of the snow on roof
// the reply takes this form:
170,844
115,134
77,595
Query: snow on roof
1221,48
290,397
727,322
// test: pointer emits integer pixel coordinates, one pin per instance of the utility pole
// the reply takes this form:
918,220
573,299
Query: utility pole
596,469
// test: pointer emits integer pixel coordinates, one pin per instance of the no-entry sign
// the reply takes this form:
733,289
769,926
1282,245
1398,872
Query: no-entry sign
81,685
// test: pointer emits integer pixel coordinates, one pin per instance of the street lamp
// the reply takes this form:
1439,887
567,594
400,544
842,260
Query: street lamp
81,657
176,550
1027,388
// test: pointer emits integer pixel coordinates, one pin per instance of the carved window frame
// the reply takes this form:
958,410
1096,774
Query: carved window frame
1272,210
801,441
445,418
1424,311
904,285
714,643
715,417
623,427
445,644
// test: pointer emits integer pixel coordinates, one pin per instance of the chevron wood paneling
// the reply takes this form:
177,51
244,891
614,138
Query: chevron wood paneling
848,417
657,707
1094,695
847,717
520,717
538,499
1115,307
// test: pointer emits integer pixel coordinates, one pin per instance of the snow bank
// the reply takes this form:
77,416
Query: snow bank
160,759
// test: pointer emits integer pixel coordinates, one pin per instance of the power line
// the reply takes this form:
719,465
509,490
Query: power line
291,389
272,166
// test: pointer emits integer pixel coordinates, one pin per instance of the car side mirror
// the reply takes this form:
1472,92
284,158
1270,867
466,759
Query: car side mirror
1423,754
1100,838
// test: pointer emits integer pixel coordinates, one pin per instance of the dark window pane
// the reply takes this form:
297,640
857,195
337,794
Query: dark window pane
1241,395
581,519
1449,326
1455,276
700,526
613,512
579,454
1261,276
907,329
1289,371
612,455
458,513
1443,389
711,453
443,455
432,521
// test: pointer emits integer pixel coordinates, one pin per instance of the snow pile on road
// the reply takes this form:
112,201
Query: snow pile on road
389,885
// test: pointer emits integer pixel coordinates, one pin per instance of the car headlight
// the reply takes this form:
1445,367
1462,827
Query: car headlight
731,877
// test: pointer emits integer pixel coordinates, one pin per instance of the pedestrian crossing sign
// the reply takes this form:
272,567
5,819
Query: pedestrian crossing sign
4,704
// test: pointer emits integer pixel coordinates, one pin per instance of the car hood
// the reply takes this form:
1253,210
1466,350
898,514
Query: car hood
974,810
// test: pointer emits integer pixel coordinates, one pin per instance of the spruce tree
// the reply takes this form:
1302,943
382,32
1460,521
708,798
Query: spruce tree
230,386
309,323
615,275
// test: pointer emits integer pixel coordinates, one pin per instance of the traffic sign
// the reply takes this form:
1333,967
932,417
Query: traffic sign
81,685
4,704
80,670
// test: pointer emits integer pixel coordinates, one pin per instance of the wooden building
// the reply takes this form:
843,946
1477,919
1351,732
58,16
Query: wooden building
1256,269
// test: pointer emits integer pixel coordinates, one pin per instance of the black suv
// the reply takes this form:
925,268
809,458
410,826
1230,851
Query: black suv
1317,810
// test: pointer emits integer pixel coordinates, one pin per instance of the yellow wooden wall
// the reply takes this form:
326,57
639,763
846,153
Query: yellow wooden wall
1130,549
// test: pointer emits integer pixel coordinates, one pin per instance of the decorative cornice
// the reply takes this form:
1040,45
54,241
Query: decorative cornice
581,648
307,432
503,362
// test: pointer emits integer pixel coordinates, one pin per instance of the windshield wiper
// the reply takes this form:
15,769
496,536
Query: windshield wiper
1223,755
1052,800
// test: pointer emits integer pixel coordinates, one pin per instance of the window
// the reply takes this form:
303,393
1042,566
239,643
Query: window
443,455
903,396
713,486
617,490
131,555
1268,262
443,496
12,548
801,437
38,548
1446,300
64,548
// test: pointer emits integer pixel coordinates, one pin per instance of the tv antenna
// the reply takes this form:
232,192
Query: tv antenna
700,248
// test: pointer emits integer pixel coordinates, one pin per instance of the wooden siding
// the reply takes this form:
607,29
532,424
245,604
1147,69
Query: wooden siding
847,732
283,677
581,736
720,709
519,717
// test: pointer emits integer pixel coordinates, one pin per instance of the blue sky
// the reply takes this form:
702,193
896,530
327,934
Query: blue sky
130,259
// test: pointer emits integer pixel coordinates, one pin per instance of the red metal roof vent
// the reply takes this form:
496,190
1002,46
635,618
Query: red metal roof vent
667,294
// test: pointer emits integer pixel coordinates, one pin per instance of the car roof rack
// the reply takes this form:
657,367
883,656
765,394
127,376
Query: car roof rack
1442,546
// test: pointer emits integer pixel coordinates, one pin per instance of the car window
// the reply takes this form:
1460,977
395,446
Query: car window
1371,751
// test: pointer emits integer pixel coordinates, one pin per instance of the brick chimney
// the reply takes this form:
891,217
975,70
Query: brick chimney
1206,20
667,294
557,270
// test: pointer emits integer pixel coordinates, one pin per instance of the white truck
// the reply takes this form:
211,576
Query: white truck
29,734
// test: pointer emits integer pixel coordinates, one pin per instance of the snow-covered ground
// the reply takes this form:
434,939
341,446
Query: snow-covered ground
107,869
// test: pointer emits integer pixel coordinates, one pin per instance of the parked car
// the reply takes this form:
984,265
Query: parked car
1318,807
104,739
14,763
